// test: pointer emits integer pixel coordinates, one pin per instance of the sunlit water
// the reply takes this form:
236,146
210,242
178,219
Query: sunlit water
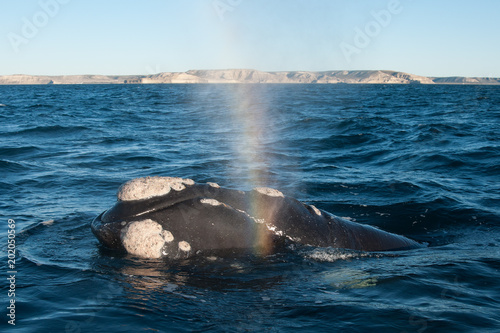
422,161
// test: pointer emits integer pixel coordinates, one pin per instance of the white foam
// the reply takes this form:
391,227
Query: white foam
145,238
269,191
275,230
332,255
149,187
256,220
211,202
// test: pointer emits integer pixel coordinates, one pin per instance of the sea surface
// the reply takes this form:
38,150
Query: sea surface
418,160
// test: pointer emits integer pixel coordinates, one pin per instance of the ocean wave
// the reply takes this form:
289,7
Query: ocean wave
49,130
13,167
8,152
40,106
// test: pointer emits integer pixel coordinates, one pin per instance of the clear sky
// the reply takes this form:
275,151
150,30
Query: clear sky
425,37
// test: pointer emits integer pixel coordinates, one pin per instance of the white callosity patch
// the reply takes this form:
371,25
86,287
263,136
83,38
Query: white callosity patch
184,246
149,187
167,235
211,202
145,238
214,185
316,210
269,191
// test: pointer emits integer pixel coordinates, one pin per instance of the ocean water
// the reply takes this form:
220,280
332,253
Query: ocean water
418,160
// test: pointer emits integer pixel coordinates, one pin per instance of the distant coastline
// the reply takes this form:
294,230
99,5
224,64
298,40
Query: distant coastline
250,76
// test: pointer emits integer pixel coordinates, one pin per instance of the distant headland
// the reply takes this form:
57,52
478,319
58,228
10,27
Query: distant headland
250,76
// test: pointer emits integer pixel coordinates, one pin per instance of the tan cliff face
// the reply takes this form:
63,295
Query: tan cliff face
248,76
62,79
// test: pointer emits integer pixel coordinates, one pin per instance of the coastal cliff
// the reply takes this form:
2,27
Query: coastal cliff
249,76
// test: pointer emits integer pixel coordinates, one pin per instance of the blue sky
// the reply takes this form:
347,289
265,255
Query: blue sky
433,38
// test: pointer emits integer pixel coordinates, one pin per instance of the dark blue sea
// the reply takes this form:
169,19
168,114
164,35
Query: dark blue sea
418,160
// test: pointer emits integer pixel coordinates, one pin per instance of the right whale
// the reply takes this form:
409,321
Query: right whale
170,217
